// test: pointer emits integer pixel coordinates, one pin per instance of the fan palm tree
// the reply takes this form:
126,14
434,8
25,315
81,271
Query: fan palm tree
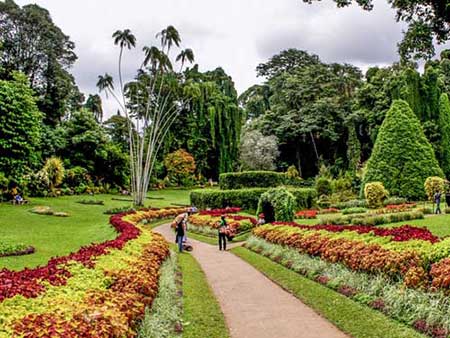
185,55
169,37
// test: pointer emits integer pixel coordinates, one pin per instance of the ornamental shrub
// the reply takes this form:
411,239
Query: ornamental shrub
402,157
77,176
251,179
433,185
375,194
277,204
323,186
54,169
180,166
292,172
247,199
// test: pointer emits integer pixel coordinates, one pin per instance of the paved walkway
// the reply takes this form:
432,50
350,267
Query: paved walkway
255,307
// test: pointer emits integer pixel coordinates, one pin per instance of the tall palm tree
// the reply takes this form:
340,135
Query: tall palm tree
123,39
169,37
105,83
185,55
152,56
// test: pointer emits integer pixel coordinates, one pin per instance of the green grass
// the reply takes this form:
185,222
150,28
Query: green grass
56,236
202,315
439,225
353,318
203,238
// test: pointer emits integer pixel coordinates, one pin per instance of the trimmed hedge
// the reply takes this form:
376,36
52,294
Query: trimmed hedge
373,219
277,204
247,199
251,179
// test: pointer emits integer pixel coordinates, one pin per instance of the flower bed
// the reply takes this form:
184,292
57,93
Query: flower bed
410,254
306,214
219,212
425,311
393,208
237,224
99,291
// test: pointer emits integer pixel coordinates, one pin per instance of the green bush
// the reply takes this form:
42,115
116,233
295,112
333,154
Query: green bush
277,204
323,186
373,219
356,210
324,202
402,157
375,194
433,185
350,204
395,201
247,199
251,179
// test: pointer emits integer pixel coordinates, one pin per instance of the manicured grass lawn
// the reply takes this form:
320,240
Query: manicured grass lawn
55,236
439,225
355,319
202,314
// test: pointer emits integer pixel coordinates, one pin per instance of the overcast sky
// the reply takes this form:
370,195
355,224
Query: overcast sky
236,35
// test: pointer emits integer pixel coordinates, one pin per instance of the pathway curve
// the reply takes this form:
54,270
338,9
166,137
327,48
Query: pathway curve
254,306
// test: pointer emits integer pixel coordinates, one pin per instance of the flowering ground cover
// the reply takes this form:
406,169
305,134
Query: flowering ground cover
410,254
99,291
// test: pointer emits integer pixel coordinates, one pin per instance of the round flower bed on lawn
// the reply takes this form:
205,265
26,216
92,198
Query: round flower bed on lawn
15,249
99,291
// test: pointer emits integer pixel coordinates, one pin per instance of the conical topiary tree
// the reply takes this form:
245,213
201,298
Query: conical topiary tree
402,157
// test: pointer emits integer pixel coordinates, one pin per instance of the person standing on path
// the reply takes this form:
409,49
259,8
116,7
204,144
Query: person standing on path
180,229
437,200
223,227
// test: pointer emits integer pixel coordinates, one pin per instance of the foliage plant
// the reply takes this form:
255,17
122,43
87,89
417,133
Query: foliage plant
433,185
54,168
355,210
402,157
277,203
375,194
323,186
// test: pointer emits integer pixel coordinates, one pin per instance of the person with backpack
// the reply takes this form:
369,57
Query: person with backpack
180,230
223,228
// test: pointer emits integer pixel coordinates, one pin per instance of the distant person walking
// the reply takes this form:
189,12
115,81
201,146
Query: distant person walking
223,227
437,200
180,230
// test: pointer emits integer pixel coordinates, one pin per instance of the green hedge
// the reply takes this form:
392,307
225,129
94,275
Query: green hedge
251,179
247,199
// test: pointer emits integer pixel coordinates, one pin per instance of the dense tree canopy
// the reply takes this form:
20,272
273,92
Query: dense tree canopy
20,126
32,44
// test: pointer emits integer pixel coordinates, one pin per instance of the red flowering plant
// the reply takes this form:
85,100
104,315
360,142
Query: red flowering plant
105,296
306,214
219,212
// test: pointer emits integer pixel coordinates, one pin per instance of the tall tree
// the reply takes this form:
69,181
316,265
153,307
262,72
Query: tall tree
444,126
33,44
20,126
94,104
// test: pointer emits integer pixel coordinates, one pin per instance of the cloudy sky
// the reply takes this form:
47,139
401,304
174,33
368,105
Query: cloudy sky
234,34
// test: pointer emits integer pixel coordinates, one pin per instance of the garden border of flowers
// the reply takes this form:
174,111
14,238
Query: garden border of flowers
102,288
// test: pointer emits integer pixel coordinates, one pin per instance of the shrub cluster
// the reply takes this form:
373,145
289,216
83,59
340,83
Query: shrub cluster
371,219
251,179
350,204
247,199
375,194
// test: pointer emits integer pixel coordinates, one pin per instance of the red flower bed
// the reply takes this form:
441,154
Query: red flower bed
27,282
219,212
306,214
356,255
400,234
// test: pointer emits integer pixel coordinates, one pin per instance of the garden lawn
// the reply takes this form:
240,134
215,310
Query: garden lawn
202,314
439,225
56,236
355,319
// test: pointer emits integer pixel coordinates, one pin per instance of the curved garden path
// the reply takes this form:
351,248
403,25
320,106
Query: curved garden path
254,306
